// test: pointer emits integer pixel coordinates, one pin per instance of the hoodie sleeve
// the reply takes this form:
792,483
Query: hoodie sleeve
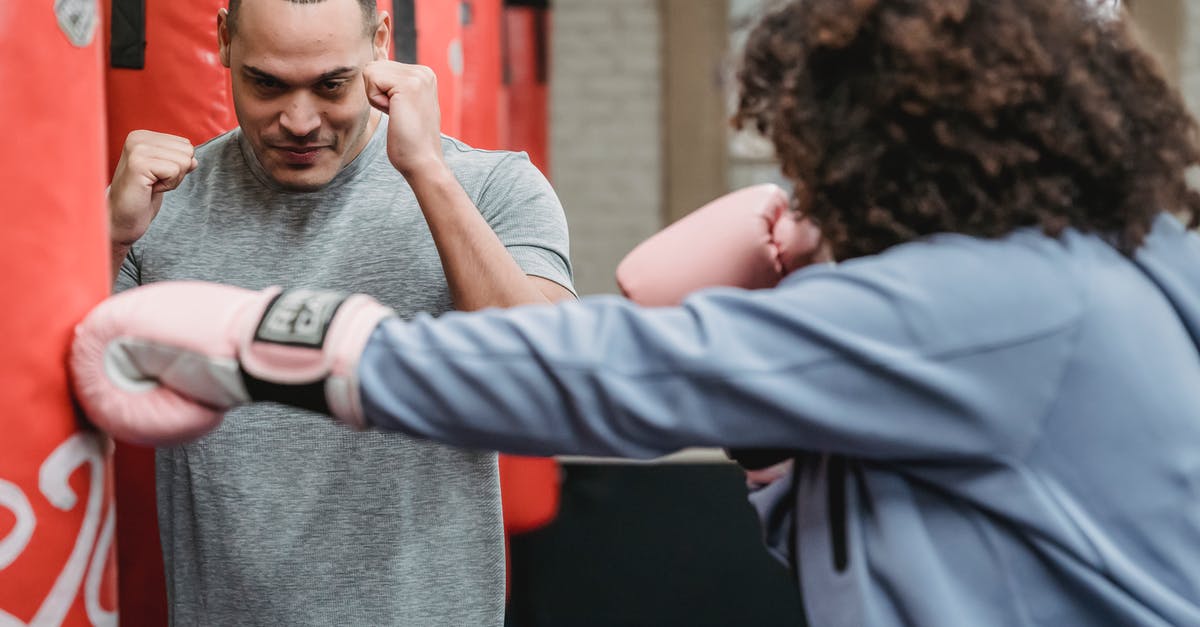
838,360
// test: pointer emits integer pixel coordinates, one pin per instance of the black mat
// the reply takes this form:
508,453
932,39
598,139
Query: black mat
650,546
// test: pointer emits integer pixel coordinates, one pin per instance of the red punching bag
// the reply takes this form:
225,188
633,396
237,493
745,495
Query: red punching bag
439,45
530,486
502,44
482,85
164,74
527,69
56,512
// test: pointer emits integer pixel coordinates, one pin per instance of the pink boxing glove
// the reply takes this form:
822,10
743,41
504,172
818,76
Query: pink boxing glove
161,364
747,238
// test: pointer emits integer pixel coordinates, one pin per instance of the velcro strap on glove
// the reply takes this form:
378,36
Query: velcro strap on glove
305,350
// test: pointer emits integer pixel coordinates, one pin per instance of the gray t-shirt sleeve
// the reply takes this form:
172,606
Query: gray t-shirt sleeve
522,208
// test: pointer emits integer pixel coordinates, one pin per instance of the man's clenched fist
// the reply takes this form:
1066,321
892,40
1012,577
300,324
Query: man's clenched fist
151,163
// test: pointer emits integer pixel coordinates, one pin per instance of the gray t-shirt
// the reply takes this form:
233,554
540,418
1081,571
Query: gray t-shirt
283,517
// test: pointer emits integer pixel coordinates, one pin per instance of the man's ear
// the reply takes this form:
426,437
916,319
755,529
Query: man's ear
383,36
223,35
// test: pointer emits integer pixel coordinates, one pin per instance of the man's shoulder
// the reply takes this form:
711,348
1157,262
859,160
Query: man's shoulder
219,143
216,159
464,158
506,173
213,158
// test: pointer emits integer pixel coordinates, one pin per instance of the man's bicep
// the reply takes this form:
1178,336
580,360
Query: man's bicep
542,265
553,291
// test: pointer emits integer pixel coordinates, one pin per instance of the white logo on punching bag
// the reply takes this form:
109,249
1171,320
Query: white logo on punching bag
77,19
96,532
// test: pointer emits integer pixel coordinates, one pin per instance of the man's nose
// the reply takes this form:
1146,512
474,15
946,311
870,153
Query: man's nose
301,117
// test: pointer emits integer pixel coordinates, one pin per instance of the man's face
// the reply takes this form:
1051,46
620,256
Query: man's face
298,85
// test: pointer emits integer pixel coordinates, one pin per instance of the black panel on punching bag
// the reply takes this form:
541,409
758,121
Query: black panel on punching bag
404,31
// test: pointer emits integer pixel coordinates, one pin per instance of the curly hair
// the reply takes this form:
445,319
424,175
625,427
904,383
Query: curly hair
896,119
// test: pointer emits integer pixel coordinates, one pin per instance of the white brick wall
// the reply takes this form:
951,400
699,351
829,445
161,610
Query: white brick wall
1171,29
1189,66
605,112
1189,60
751,156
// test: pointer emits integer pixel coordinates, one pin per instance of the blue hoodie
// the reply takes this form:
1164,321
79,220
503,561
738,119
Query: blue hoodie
989,432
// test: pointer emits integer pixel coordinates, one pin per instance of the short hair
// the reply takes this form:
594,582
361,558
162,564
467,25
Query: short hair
369,9
895,119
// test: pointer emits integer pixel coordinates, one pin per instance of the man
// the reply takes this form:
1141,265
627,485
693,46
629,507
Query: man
993,398
337,175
